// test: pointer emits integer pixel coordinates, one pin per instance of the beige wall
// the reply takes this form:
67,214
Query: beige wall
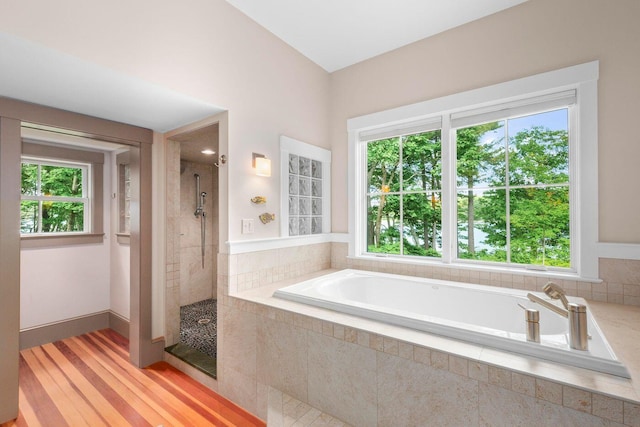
536,36
206,49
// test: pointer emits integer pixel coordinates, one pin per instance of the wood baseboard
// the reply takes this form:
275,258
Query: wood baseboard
119,324
72,327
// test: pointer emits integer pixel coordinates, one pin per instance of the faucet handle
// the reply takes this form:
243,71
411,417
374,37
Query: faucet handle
578,335
532,318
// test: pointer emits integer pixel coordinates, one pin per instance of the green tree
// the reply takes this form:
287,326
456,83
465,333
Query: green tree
383,160
422,179
538,206
53,215
474,160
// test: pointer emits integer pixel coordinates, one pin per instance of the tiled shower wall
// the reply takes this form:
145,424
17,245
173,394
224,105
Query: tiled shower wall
196,279
172,296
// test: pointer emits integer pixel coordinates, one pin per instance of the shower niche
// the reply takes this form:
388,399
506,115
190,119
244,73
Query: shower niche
192,247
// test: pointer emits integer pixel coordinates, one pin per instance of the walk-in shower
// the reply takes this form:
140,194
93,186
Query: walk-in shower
192,250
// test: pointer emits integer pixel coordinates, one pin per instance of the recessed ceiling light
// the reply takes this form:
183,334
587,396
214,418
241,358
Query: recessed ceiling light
208,152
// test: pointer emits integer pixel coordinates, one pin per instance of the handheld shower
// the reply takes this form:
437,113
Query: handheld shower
200,195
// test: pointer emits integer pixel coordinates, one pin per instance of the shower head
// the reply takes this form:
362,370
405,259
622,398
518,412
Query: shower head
555,292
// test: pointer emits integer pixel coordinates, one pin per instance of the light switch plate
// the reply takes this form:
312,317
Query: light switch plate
247,226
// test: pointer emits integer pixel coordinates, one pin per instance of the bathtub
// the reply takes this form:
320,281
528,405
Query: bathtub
484,315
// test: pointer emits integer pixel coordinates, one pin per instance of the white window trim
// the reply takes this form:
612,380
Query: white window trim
583,78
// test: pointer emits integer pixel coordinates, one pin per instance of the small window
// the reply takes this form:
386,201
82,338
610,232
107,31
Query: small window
54,197
61,195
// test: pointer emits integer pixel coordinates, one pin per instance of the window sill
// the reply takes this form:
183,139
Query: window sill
476,267
40,241
123,238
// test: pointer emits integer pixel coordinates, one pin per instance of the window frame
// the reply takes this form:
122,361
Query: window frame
123,162
52,154
583,160
85,198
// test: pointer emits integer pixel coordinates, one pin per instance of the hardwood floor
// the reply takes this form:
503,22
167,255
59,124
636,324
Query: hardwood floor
88,381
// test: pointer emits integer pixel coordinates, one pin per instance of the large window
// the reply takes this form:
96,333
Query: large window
54,197
504,176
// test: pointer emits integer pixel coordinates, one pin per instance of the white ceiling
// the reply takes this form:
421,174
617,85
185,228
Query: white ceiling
337,33
72,84
332,33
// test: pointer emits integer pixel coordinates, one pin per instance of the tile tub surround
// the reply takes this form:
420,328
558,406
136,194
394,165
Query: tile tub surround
255,269
620,279
324,357
285,410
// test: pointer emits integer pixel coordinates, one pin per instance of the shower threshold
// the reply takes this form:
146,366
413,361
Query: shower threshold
199,360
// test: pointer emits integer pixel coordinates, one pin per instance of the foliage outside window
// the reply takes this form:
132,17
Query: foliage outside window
54,197
404,195
512,192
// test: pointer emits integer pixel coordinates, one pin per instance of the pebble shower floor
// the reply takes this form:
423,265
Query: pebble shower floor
195,331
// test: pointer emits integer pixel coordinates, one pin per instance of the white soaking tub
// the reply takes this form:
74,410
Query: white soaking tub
485,315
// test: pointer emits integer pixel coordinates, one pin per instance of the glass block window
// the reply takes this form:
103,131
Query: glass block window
305,195
305,198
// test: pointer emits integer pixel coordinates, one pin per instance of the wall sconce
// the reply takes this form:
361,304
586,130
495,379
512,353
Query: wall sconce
261,164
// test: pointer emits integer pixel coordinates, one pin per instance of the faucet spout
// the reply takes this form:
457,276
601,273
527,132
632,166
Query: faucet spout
558,310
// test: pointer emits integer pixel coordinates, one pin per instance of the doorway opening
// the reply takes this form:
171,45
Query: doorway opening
192,236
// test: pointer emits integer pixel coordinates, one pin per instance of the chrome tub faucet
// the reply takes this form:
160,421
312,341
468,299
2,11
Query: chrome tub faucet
576,313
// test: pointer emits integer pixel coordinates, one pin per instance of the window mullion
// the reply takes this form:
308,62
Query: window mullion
39,193
448,194
507,199
401,194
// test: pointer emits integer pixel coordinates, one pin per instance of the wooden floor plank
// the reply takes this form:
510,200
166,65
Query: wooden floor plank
89,392
117,401
27,416
58,395
37,396
88,380
152,413
191,389
156,392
